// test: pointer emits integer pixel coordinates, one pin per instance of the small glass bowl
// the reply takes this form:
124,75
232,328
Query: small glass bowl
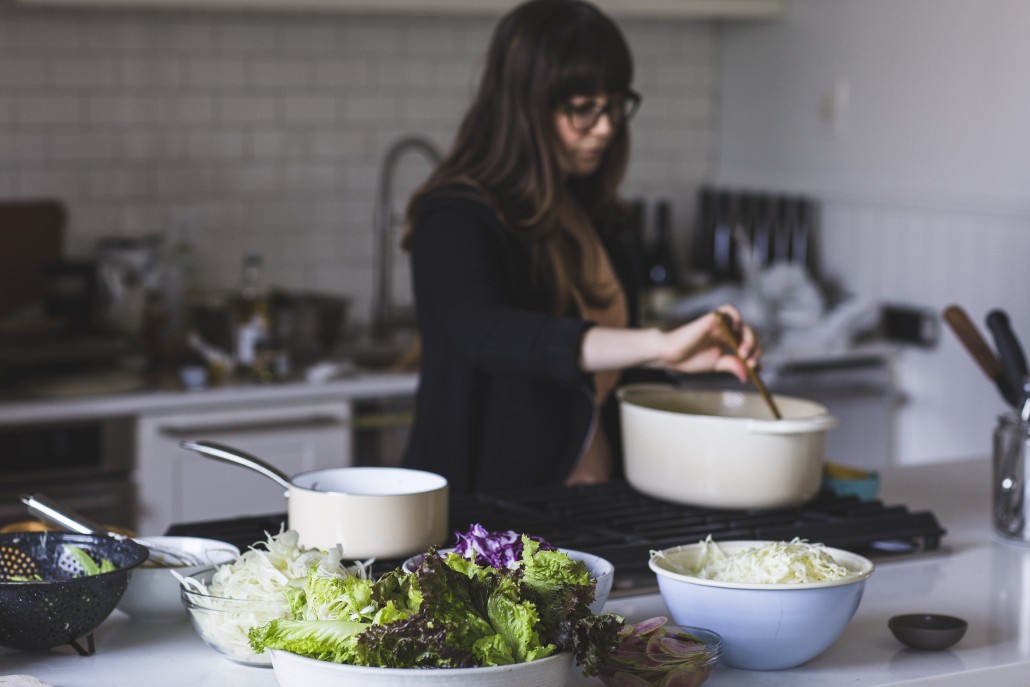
634,660
223,623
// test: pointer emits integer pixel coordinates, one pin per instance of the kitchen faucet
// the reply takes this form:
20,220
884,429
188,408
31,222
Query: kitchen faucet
383,316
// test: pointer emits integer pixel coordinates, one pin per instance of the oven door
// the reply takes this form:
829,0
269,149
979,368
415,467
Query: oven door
84,464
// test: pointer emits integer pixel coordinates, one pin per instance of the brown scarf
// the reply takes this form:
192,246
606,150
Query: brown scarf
595,465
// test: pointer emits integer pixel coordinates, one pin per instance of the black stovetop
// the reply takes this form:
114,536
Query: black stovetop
622,525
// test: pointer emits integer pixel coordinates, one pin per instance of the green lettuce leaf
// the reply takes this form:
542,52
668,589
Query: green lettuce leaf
325,640
560,587
515,620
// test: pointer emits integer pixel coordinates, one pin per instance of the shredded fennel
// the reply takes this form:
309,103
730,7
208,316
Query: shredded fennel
260,574
791,562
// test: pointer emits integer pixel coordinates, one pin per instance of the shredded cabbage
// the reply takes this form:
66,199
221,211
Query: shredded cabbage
260,574
496,549
791,562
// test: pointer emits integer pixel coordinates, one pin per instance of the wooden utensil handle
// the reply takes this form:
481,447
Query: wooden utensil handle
752,375
975,344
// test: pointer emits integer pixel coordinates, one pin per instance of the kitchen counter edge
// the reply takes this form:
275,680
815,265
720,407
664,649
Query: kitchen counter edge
356,387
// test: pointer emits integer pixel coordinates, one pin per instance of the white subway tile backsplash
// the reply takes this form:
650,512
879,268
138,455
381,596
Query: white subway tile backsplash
119,110
186,109
278,144
33,110
41,32
103,34
248,179
25,72
455,74
150,74
360,180
434,109
304,36
178,181
222,144
87,146
7,186
21,147
247,34
36,182
246,108
337,71
309,109
309,178
160,148
347,144
268,130
226,72
383,107
124,182
404,74
372,36
288,73
83,73
180,33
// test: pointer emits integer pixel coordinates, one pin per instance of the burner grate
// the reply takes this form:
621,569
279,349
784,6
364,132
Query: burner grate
614,521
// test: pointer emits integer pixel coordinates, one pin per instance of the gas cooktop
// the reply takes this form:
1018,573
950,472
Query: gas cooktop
614,521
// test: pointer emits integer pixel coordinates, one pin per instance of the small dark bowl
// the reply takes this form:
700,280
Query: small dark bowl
927,631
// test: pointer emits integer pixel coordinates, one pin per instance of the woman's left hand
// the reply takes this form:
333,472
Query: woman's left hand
702,345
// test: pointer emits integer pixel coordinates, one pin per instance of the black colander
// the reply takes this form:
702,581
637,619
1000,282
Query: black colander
65,605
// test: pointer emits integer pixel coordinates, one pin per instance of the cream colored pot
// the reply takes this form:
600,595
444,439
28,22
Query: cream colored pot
372,512
722,449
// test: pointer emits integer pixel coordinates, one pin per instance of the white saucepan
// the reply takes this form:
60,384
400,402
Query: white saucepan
372,512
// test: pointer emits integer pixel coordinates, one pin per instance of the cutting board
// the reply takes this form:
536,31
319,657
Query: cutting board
31,235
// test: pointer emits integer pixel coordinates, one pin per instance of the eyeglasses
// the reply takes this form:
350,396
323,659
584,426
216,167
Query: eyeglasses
619,109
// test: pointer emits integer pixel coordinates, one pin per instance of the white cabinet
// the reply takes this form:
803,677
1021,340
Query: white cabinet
176,485
670,9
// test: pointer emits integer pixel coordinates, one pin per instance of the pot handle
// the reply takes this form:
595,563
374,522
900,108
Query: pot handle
235,456
817,424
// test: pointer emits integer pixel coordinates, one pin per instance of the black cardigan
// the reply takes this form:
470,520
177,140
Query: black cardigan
502,402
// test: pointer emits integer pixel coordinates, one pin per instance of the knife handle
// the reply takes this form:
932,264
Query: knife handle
975,344
1009,350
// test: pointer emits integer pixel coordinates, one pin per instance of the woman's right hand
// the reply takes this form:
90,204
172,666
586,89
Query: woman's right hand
698,346
702,345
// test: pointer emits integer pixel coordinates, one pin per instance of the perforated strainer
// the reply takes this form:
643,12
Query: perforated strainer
51,601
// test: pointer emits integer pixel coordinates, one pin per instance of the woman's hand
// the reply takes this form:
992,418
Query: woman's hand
698,346
702,345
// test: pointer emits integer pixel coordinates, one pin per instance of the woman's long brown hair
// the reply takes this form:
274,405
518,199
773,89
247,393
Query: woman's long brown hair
506,150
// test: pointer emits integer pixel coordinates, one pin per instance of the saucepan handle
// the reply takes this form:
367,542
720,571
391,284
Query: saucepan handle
235,456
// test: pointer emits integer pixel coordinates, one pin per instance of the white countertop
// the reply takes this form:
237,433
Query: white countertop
359,385
976,575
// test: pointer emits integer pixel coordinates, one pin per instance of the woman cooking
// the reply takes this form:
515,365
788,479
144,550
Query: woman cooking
521,300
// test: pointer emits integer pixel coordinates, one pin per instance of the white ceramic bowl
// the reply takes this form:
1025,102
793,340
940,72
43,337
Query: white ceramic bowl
153,592
601,570
763,626
292,670
722,449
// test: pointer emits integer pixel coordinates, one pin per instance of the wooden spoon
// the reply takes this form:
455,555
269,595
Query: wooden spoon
727,331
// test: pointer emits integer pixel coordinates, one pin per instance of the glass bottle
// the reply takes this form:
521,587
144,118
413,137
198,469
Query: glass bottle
251,315
663,278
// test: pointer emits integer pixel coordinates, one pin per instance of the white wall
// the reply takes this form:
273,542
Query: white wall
922,161
265,132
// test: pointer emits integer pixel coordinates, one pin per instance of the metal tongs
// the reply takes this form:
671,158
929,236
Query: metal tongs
61,516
